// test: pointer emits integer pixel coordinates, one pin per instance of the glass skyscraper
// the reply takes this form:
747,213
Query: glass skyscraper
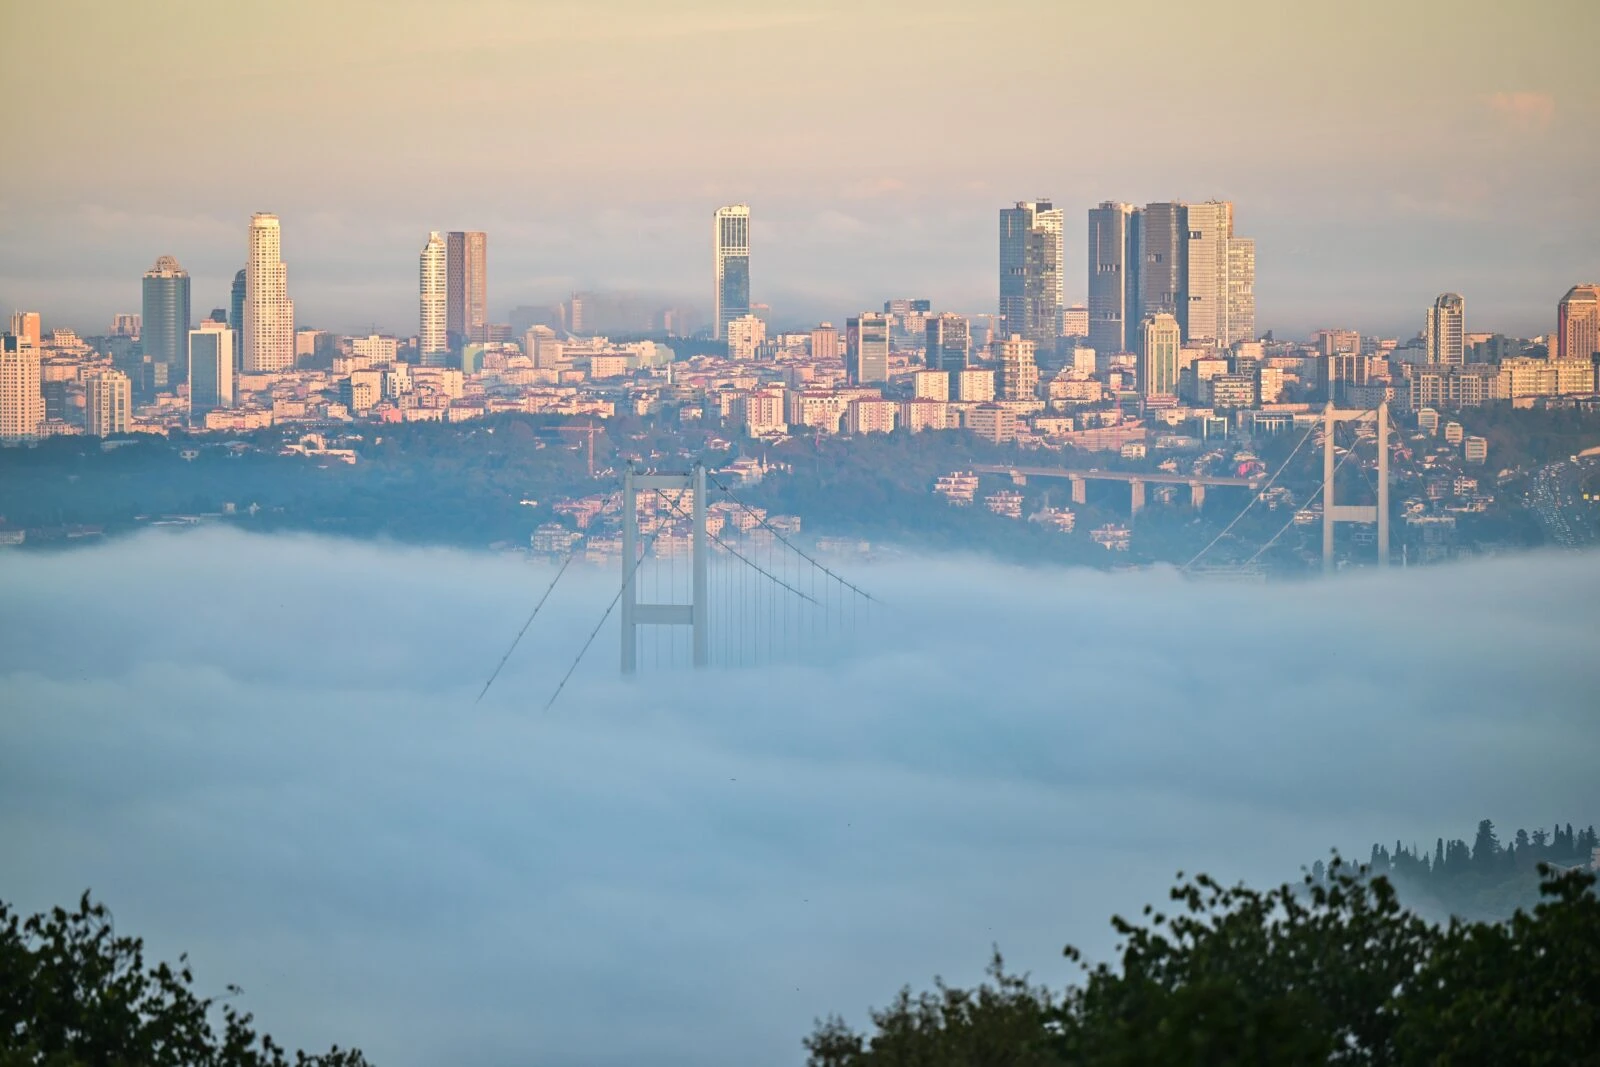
165,329
731,250
1115,259
1031,271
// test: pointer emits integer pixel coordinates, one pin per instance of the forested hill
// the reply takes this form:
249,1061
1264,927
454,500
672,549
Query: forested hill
1484,881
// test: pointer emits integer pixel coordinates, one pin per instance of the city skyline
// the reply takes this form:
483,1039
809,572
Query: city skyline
1375,195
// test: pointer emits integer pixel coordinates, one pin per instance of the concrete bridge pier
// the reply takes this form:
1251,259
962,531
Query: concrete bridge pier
1138,495
1080,490
1197,495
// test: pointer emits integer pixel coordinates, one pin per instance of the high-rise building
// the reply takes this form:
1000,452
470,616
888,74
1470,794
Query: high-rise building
1201,315
1164,247
1075,321
466,286
210,368
867,348
825,342
949,346
236,319
1240,306
21,402
1018,368
107,403
1160,339
1443,333
268,311
125,324
26,326
165,325
730,236
1032,269
746,335
433,340
1578,323
1115,256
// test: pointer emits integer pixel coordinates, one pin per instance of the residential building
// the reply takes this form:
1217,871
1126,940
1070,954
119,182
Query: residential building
731,252
930,385
268,311
1160,337
993,422
376,349
433,338
866,415
825,342
1578,324
107,403
1075,321
924,414
21,402
1018,368
1115,257
466,273
746,335
165,325
949,342
210,369
1443,332
975,385
1032,271
867,348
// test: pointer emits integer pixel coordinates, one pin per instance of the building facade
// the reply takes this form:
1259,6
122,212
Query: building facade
466,287
433,339
1018,368
1032,271
731,255
164,329
1578,324
1160,338
1115,257
1164,248
1239,304
107,403
21,402
746,335
268,311
1209,226
211,380
867,348
1444,332
949,342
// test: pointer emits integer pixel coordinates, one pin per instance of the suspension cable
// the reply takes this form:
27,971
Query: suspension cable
1253,497
762,519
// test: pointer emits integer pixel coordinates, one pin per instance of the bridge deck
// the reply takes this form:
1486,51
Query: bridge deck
1153,477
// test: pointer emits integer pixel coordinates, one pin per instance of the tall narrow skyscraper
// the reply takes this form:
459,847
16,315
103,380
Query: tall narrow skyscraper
731,251
1241,301
1202,316
1578,323
1163,261
1115,255
866,358
1444,331
1032,294
268,311
28,328
433,341
1018,377
466,287
165,329
236,319
21,402
949,346
1160,338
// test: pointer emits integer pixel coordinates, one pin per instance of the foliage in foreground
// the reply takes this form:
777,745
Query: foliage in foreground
74,993
1332,972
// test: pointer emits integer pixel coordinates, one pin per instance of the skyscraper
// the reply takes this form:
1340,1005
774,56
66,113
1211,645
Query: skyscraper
1115,255
165,325
26,325
236,319
867,348
268,311
1018,368
1031,271
210,369
107,403
1160,338
1443,332
731,249
466,286
1578,323
1164,248
825,342
1202,315
1241,301
949,345
21,402
433,340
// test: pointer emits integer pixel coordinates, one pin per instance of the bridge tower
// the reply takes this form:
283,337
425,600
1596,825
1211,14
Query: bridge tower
1333,512
636,614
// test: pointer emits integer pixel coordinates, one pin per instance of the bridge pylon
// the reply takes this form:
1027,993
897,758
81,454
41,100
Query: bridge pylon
1333,512
636,614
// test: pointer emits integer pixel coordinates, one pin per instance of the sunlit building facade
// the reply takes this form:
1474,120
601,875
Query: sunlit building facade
433,342
107,403
466,287
1032,270
731,255
867,348
268,311
1160,339
1578,324
1444,331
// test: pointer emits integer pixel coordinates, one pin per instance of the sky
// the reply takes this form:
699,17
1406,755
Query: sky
1379,152
265,751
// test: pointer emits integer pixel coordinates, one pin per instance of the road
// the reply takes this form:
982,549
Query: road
1556,499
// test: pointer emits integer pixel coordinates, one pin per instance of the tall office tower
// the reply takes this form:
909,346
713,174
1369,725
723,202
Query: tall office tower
26,326
1201,315
236,319
1240,305
949,342
825,342
1443,332
730,235
1160,338
1164,248
1032,270
1578,323
21,402
268,311
107,403
433,339
466,286
866,358
211,350
166,322
1115,255
1018,369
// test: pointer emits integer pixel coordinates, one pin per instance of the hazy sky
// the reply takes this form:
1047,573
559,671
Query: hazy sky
1380,152
265,751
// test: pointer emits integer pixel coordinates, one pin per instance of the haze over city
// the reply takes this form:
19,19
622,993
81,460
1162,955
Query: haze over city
1381,153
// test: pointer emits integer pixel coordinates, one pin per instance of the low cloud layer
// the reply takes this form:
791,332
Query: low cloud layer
265,751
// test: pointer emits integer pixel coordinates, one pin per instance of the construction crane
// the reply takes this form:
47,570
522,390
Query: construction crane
590,430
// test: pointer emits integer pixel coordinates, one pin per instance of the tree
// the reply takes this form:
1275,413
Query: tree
73,993
1486,848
